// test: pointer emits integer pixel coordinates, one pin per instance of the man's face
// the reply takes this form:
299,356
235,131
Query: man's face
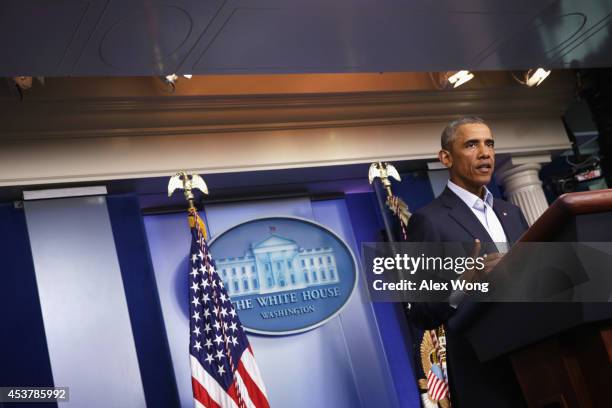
471,159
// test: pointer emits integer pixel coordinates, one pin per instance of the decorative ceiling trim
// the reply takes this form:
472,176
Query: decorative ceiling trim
61,161
171,116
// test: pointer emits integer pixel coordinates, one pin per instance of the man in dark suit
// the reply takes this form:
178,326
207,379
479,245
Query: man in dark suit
467,212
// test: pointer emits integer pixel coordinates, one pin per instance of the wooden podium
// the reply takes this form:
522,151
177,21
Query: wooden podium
561,352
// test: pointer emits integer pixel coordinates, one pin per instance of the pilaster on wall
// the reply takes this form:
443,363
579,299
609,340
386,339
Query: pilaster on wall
520,178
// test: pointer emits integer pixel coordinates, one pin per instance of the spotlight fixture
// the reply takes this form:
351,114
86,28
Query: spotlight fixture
173,77
19,84
537,77
459,78
451,79
23,82
170,80
532,77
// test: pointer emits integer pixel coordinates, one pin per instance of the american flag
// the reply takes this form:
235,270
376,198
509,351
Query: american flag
224,373
436,387
437,381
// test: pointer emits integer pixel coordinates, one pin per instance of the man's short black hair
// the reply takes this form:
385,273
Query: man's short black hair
450,131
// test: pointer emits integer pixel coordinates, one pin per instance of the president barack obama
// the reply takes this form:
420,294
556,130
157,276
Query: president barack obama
466,211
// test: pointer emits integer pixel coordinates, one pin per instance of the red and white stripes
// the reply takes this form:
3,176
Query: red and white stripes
209,394
436,387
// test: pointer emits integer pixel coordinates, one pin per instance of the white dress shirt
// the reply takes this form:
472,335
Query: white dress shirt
483,210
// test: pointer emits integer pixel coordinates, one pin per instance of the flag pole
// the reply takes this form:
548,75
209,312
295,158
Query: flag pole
384,172
219,381
187,182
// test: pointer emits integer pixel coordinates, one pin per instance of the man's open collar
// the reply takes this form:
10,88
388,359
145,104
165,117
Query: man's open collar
469,198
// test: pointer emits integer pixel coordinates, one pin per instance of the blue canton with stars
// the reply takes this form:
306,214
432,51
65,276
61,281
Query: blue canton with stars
217,337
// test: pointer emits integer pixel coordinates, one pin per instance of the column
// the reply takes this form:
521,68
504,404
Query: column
521,181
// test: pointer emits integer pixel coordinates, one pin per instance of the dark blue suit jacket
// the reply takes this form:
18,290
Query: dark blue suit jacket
472,382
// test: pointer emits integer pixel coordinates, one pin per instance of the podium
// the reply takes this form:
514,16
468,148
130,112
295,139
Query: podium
561,353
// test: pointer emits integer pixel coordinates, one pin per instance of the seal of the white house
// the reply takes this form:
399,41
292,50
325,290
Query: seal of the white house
284,275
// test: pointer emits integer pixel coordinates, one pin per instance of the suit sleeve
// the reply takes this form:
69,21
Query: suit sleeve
426,315
421,229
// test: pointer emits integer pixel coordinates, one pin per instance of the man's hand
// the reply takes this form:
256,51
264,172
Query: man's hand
490,262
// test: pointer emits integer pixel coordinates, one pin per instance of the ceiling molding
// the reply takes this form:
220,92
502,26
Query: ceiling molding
275,101
66,161
57,118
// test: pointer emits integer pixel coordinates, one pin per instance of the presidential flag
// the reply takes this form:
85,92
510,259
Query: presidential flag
224,373
434,387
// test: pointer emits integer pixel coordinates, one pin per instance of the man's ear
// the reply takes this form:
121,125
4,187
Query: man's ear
445,158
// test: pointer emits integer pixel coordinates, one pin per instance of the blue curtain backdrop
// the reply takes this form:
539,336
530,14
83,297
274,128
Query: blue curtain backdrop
339,364
24,354
24,357
24,351
142,298
398,338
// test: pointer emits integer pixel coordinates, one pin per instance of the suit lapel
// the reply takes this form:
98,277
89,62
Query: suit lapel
503,214
464,216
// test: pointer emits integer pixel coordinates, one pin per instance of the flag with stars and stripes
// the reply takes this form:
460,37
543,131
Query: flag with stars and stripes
436,386
224,373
